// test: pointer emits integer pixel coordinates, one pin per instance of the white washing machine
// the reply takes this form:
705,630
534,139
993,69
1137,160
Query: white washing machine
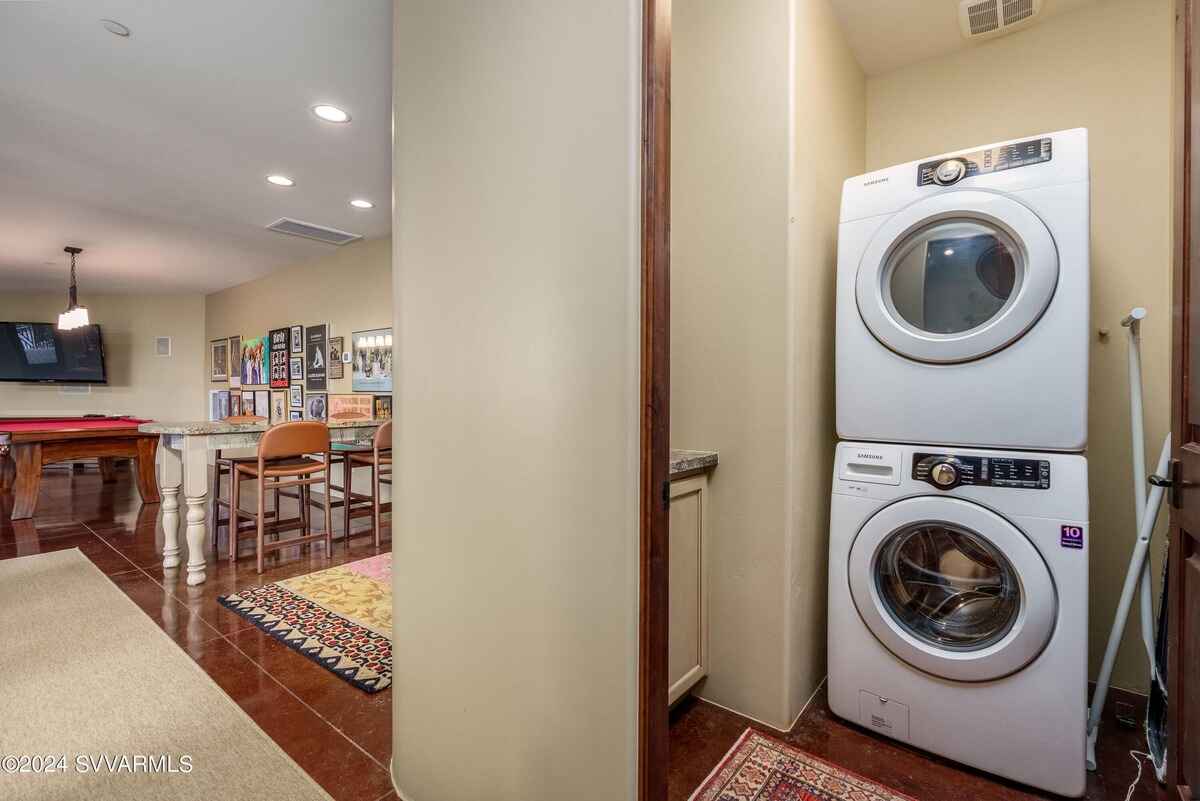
962,298
958,590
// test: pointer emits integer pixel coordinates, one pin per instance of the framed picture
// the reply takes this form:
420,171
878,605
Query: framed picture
350,408
218,404
235,361
336,347
372,361
235,404
279,358
295,414
296,369
295,397
383,407
219,360
316,356
262,403
247,402
279,406
297,339
254,361
315,406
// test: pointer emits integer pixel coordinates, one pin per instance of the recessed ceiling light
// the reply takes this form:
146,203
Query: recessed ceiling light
114,27
280,180
330,113
359,203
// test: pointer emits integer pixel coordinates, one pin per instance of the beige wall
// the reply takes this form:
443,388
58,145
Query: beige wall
754,89
140,382
1106,67
516,283
350,289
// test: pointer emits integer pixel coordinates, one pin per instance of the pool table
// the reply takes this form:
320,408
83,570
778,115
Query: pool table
27,444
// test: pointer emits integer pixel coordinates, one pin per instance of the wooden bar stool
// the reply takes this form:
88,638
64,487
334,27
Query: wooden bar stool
379,459
281,455
223,461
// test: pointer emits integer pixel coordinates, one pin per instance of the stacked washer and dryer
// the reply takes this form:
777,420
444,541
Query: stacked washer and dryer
958,571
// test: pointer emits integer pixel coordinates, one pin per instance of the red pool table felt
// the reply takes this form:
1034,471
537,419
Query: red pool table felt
24,425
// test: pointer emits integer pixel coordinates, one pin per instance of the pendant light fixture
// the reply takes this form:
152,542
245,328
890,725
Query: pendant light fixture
75,316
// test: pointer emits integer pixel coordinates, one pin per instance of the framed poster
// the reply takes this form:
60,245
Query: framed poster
296,368
315,407
254,362
336,347
235,361
295,414
235,404
279,358
218,404
262,403
383,407
279,406
372,360
247,402
350,408
295,397
219,360
316,356
297,339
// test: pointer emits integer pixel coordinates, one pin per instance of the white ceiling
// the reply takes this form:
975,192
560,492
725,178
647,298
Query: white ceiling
888,34
150,152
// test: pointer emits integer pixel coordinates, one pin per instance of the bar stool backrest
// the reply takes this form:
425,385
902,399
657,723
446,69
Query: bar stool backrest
383,437
293,439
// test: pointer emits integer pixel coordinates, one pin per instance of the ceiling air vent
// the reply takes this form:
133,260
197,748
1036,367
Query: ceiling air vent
286,225
985,18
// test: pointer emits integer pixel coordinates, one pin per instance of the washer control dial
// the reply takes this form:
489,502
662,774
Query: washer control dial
950,171
944,475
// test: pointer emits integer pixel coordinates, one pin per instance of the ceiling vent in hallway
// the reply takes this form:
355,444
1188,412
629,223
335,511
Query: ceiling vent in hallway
286,225
986,18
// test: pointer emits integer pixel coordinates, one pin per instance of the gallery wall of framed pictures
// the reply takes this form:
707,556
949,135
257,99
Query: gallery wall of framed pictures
301,371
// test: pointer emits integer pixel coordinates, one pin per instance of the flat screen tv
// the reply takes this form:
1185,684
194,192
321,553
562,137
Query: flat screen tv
39,352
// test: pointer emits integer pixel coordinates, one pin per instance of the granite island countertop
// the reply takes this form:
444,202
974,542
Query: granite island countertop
203,427
686,463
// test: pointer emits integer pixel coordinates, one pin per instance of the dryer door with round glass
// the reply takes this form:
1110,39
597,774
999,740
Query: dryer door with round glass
952,588
956,277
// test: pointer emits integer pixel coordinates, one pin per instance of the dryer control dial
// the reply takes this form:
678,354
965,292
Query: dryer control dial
944,475
950,171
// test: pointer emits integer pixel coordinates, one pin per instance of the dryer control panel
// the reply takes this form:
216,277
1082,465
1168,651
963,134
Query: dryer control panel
951,170
947,471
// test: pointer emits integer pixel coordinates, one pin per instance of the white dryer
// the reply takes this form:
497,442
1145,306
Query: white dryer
958,591
962,298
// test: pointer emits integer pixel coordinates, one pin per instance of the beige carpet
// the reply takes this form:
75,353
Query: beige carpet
88,679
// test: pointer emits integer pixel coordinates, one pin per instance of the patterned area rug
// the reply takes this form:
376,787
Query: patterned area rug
340,618
759,768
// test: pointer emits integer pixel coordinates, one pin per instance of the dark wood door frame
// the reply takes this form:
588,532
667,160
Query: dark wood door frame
655,400
1183,751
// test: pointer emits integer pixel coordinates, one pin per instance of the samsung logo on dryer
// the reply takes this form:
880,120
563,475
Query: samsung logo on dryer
874,181
869,456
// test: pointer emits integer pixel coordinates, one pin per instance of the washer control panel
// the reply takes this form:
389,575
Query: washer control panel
947,471
947,171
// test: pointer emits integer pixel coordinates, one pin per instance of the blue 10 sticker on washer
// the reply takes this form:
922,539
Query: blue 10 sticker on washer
1071,537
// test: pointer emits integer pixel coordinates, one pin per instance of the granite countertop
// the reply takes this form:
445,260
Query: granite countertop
201,427
689,462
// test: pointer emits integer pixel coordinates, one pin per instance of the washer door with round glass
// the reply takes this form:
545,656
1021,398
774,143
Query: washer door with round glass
952,588
956,277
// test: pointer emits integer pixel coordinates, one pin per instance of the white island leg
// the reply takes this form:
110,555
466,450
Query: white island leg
170,476
195,490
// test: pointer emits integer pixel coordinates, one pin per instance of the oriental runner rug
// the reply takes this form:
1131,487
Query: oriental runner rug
760,768
340,618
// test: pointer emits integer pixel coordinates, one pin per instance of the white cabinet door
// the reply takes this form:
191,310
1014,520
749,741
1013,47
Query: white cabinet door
688,637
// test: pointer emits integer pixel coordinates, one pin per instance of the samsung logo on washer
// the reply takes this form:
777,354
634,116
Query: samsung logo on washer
862,455
874,181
